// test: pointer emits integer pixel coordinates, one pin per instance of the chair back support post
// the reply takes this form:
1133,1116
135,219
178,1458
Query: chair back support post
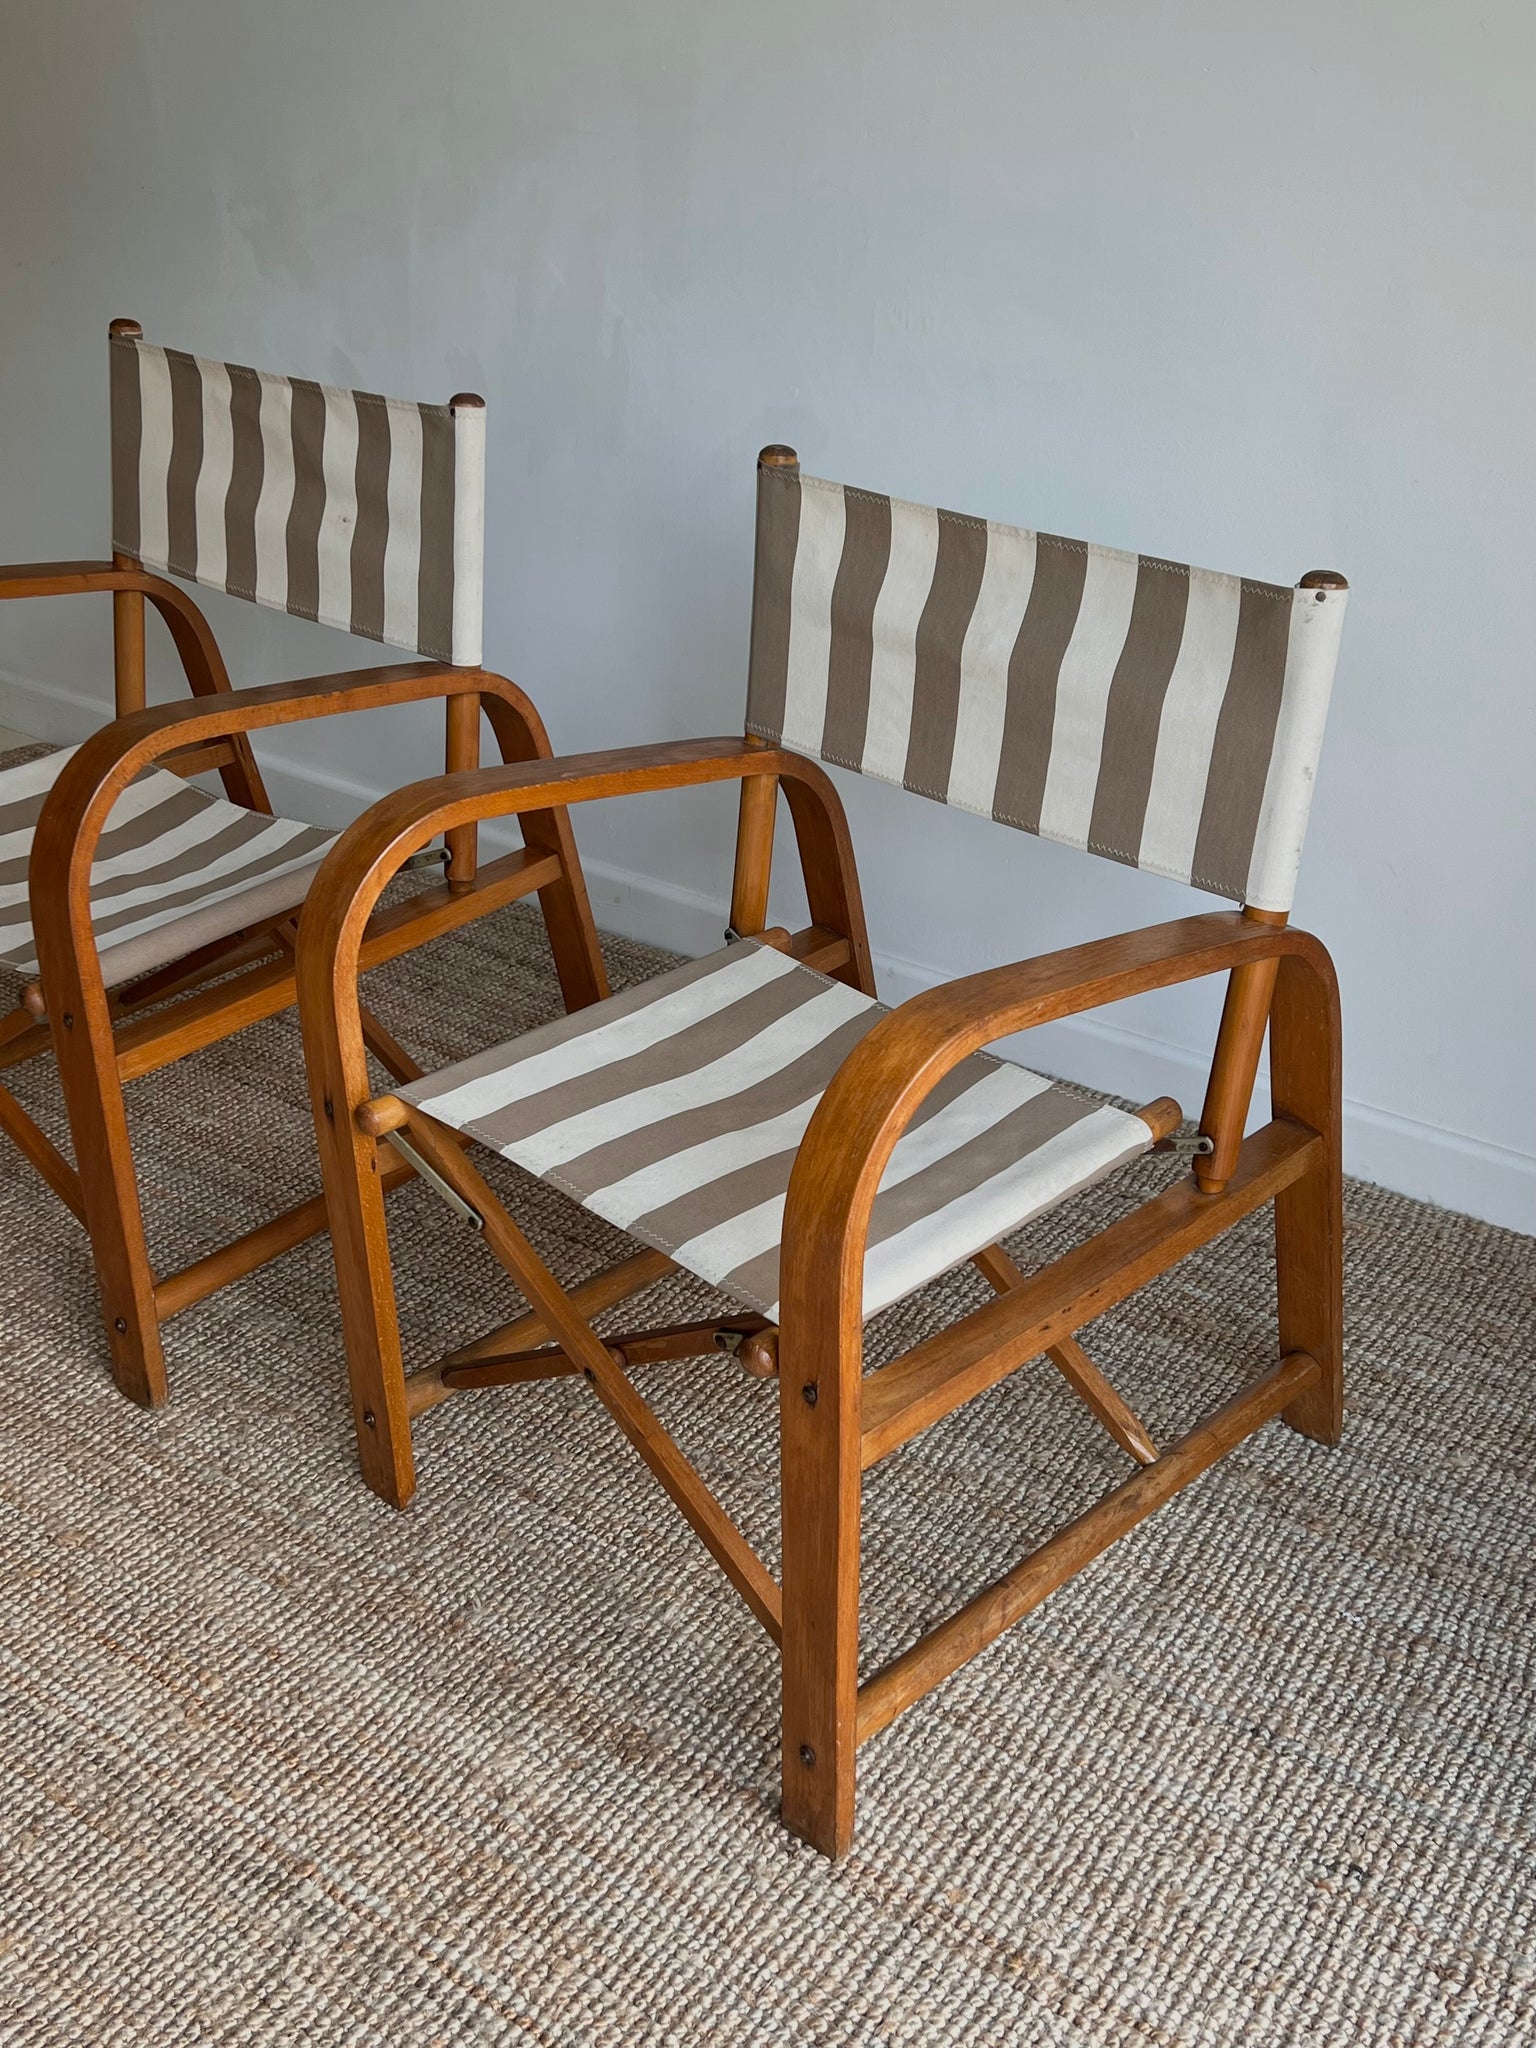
128,684
759,800
1235,1063
753,871
127,605
462,751
1244,1021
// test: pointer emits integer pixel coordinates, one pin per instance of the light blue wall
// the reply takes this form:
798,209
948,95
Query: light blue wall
1236,284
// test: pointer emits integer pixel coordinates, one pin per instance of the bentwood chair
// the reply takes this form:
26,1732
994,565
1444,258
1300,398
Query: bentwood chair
758,1119
363,513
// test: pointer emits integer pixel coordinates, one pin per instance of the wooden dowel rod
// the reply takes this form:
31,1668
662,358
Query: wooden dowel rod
1162,1117
642,1347
604,1290
759,1356
385,1113
982,1620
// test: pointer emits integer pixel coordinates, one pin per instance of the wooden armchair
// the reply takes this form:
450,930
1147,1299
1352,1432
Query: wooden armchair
758,1119
143,917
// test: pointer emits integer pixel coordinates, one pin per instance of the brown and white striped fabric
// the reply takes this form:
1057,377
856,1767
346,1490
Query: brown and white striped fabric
676,1109
174,869
361,512
1167,717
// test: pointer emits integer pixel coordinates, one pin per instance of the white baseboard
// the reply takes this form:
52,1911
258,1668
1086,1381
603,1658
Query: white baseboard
1413,1156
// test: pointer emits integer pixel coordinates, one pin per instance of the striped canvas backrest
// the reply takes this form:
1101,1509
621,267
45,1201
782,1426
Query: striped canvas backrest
1167,717
361,512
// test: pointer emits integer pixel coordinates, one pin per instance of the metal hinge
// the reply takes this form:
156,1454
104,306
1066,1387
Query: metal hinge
1197,1147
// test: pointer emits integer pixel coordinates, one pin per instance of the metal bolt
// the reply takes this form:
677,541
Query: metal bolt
807,1755
120,1326
368,1419
69,1022
808,1395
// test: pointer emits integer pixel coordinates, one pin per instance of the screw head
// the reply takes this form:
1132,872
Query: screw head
368,1419
807,1755
69,1022
120,1325
808,1395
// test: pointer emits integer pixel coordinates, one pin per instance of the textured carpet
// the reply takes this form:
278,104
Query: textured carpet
283,1767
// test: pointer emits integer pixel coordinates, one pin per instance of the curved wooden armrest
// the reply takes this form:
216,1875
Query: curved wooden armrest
107,762
889,1073
950,1022
65,579
80,802
191,632
361,863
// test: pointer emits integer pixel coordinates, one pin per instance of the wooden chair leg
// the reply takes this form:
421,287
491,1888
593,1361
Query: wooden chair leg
354,1195
98,1125
820,1478
1306,1072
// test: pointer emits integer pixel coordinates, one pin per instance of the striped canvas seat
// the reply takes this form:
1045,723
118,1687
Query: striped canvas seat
674,1111
175,868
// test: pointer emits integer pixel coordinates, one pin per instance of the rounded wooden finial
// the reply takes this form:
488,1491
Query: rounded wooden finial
466,399
1322,579
777,456
129,329
759,1355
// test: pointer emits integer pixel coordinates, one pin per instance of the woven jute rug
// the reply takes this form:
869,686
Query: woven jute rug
283,1767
